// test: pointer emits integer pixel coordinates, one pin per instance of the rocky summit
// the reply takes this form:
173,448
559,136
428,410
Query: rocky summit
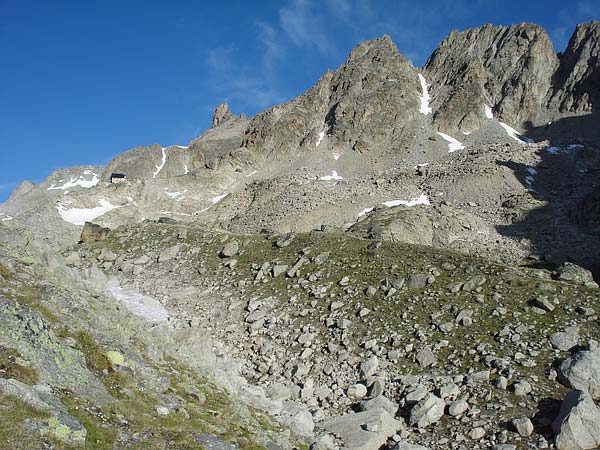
399,258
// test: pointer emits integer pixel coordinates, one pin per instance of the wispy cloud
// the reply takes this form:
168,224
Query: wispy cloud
304,25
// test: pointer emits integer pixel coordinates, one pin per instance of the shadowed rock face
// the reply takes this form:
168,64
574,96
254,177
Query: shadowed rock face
507,68
369,104
577,81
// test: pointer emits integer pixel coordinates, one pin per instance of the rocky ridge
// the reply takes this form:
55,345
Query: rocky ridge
384,258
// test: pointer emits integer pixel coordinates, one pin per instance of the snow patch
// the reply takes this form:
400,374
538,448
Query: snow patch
162,164
515,134
185,169
321,137
218,198
365,211
488,112
79,216
336,156
453,144
425,98
177,196
334,176
140,304
251,173
6,219
466,133
420,200
81,181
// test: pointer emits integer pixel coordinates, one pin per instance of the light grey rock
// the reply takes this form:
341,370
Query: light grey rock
230,249
366,430
298,418
458,407
369,367
425,357
427,411
577,425
582,371
522,388
565,340
357,391
523,426
380,402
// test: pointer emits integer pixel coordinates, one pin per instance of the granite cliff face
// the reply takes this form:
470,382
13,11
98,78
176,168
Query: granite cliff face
509,69
514,71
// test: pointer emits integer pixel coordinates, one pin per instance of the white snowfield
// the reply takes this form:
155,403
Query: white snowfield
140,304
334,176
162,164
186,170
420,200
515,134
81,181
425,97
5,219
321,137
218,198
488,112
79,216
453,144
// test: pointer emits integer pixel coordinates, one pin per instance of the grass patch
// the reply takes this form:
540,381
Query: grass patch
14,434
10,368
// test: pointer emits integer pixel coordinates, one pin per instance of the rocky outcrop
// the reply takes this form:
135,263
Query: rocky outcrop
92,233
222,114
509,69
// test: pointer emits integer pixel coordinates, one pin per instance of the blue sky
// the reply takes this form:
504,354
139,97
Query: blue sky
82,81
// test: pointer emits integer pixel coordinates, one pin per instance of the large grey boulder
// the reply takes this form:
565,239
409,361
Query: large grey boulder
298,418
577,425
367,430
428,411
582,371
92,232
572,272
